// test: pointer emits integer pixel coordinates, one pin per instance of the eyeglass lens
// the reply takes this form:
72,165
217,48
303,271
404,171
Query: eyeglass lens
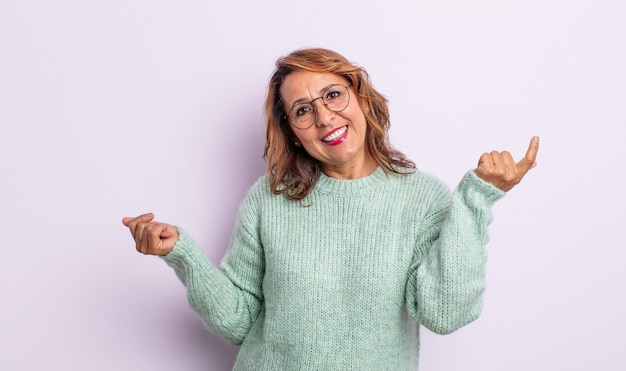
335,98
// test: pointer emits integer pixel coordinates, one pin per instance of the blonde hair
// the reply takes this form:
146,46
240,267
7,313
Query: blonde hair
292,171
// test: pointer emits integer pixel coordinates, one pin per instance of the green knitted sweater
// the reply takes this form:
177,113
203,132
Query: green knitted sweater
342,280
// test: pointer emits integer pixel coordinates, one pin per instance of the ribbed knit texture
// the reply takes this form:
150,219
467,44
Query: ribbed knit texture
341,280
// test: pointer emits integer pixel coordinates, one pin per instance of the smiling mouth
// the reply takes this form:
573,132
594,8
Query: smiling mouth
335,134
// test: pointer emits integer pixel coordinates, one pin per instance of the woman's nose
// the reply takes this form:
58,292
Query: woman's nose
324,116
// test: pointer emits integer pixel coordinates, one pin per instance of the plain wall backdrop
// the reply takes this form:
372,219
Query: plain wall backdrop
116,108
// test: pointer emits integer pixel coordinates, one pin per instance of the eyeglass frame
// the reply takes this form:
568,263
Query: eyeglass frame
286,117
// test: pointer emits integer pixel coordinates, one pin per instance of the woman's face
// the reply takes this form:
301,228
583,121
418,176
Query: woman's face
336,139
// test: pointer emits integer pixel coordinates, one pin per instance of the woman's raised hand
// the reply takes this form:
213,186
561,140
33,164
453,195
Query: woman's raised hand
151,238
499,169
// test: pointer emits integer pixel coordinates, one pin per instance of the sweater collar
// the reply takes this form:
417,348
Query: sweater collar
326,184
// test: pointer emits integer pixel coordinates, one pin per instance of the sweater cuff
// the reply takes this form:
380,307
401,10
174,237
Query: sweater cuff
475,190
184,252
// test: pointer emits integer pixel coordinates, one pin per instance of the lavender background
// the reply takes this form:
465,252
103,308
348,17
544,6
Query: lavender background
115,108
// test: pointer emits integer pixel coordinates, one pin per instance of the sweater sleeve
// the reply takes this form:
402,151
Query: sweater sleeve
228,301
447,279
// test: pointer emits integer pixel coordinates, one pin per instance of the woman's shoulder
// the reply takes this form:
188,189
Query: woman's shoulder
260,192
418,187
260,188
417,178
252,203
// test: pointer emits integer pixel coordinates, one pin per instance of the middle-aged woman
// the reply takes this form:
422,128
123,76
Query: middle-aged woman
343,248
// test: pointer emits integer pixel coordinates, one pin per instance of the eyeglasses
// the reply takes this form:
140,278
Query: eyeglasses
335,98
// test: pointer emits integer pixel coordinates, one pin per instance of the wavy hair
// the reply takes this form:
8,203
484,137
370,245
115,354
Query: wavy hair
292,171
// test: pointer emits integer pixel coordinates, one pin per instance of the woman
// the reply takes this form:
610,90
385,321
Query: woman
343,249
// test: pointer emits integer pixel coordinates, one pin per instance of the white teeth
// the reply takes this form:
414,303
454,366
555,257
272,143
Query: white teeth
336,134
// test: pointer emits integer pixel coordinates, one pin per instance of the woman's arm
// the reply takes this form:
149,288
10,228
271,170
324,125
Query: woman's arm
448,278
229,300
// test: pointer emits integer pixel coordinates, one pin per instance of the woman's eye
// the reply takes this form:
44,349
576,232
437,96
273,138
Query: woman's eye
303,110
334,94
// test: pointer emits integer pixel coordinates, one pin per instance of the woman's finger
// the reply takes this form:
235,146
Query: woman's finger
485,161
132,222
507,159
129,221
498,162
156,238
529,160
140,237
